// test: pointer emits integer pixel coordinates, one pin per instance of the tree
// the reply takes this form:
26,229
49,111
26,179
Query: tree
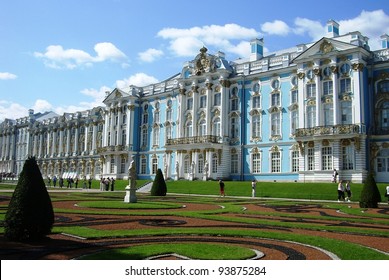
370,195
159,185
30,214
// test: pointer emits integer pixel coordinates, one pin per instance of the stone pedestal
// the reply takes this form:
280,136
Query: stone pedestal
130,195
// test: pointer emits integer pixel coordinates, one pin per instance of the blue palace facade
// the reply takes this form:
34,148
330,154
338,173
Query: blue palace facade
292,115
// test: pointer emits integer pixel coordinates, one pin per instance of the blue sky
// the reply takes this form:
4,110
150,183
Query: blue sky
62,56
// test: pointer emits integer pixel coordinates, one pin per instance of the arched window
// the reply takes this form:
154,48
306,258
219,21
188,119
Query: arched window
188,129
383,86
202,129
216,127
383,117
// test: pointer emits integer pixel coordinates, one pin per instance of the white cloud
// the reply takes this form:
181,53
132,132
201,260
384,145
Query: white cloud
314,29
150,55
187,42
139,79
42,106
370,23
11,110
58,57
7,76
277,27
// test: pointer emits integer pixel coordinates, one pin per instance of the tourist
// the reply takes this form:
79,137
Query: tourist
348,191
221,186
340,191
253,187
334,176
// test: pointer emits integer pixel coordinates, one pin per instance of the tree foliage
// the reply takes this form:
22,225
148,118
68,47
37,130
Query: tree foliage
159,185
30,214
370,195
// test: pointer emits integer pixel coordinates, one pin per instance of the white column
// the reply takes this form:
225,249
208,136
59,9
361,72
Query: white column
209,106
358,109
94,137
337,112
60,148
319,107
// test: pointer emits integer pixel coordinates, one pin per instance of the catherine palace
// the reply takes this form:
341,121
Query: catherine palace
292,115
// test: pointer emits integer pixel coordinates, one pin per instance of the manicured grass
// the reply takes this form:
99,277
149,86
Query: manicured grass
120,205
296,190
191,250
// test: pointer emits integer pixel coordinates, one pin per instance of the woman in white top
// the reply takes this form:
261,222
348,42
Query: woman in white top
340,191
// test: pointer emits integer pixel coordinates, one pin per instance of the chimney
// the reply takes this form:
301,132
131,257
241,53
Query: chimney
256,49
332,29
385,41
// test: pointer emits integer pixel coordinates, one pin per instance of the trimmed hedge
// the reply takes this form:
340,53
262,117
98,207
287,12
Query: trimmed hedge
30,214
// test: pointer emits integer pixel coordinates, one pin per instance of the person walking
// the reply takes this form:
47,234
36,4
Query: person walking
112,184
334,176
348,191
221,187
55,181
90,183
387,193
340,191
253,187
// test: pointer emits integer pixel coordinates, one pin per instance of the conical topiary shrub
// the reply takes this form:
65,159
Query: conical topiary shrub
30,214
370,195
159,185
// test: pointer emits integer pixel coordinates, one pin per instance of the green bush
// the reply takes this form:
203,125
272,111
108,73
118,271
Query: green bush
370,195
30,214
159,185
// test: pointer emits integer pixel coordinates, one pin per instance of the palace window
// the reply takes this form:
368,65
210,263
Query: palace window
156,136
275,100
234,100
202,128
168,132
189,104
383,161
295,161
256,163
383,86
123,165
112,165
214,163
383,116
294,121
234,163
186,164
217,99
203,101
234,127
216,127
257,101
155,165
124,137
200,164
276,123
294,96
345,85
328,88
256,126
328,111
169,115
275,162
188,129
348,155
311,116
143,165
326,158
311,90
145,135
311,159
346,112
